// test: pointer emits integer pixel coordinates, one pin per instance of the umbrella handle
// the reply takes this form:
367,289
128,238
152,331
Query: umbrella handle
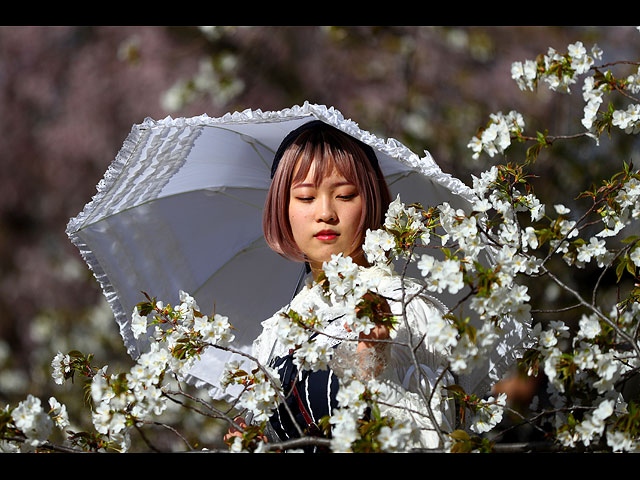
303,272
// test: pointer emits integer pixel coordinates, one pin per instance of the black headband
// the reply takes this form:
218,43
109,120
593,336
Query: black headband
317,124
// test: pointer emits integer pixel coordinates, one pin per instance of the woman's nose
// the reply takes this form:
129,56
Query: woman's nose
326,211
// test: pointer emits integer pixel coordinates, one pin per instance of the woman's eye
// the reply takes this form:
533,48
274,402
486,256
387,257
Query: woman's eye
346,197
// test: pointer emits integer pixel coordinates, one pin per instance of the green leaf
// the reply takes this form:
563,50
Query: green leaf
533,152
631,268
622,265
456,389
459,435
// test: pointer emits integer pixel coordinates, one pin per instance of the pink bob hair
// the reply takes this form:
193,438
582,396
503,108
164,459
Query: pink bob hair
326,148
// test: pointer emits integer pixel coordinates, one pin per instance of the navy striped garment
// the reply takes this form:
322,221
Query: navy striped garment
316,398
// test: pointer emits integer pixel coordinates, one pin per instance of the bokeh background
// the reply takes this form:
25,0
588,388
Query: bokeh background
69,96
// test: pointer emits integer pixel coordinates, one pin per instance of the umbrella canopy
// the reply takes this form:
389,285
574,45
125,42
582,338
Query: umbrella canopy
180,208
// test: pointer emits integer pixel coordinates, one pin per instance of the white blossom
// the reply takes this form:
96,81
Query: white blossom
464,356
489,414
524,74
313,356
628,120
529,239
595,248
215,330
608,369
585,354
262,398
482,184
99,387
580,61
59,413
138,323
633,82
61,364
441,275
236,445
496,137
551,360
32,421
342,273
344,429
604,410
635,256
441,333
589,327
548,338
350,396
589,429
395,438
567,438
621,441
376,245
613,224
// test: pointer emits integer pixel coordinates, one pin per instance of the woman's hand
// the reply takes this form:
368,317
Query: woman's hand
378,332
370,350
233,431
378,310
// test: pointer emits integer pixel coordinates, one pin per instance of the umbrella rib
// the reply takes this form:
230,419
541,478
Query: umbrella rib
397,178
258,207
253,142
259,154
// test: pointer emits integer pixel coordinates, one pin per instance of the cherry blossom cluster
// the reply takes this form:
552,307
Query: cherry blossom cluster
295,330
593,366
178,335
61,367
486,414
496,136
404,226
347,284
628,120
183,327
344,420
32,424
557,70
561,71
349,432
260,394
121,400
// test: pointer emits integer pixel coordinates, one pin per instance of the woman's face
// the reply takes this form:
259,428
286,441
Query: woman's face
324,218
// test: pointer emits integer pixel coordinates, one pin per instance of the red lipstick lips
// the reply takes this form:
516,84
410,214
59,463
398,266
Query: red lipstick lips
326,235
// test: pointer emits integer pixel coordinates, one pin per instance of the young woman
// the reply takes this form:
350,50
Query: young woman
327,190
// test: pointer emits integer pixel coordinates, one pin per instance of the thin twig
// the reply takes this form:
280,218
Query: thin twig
44,445
145,439
558,310
596,311
170,428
